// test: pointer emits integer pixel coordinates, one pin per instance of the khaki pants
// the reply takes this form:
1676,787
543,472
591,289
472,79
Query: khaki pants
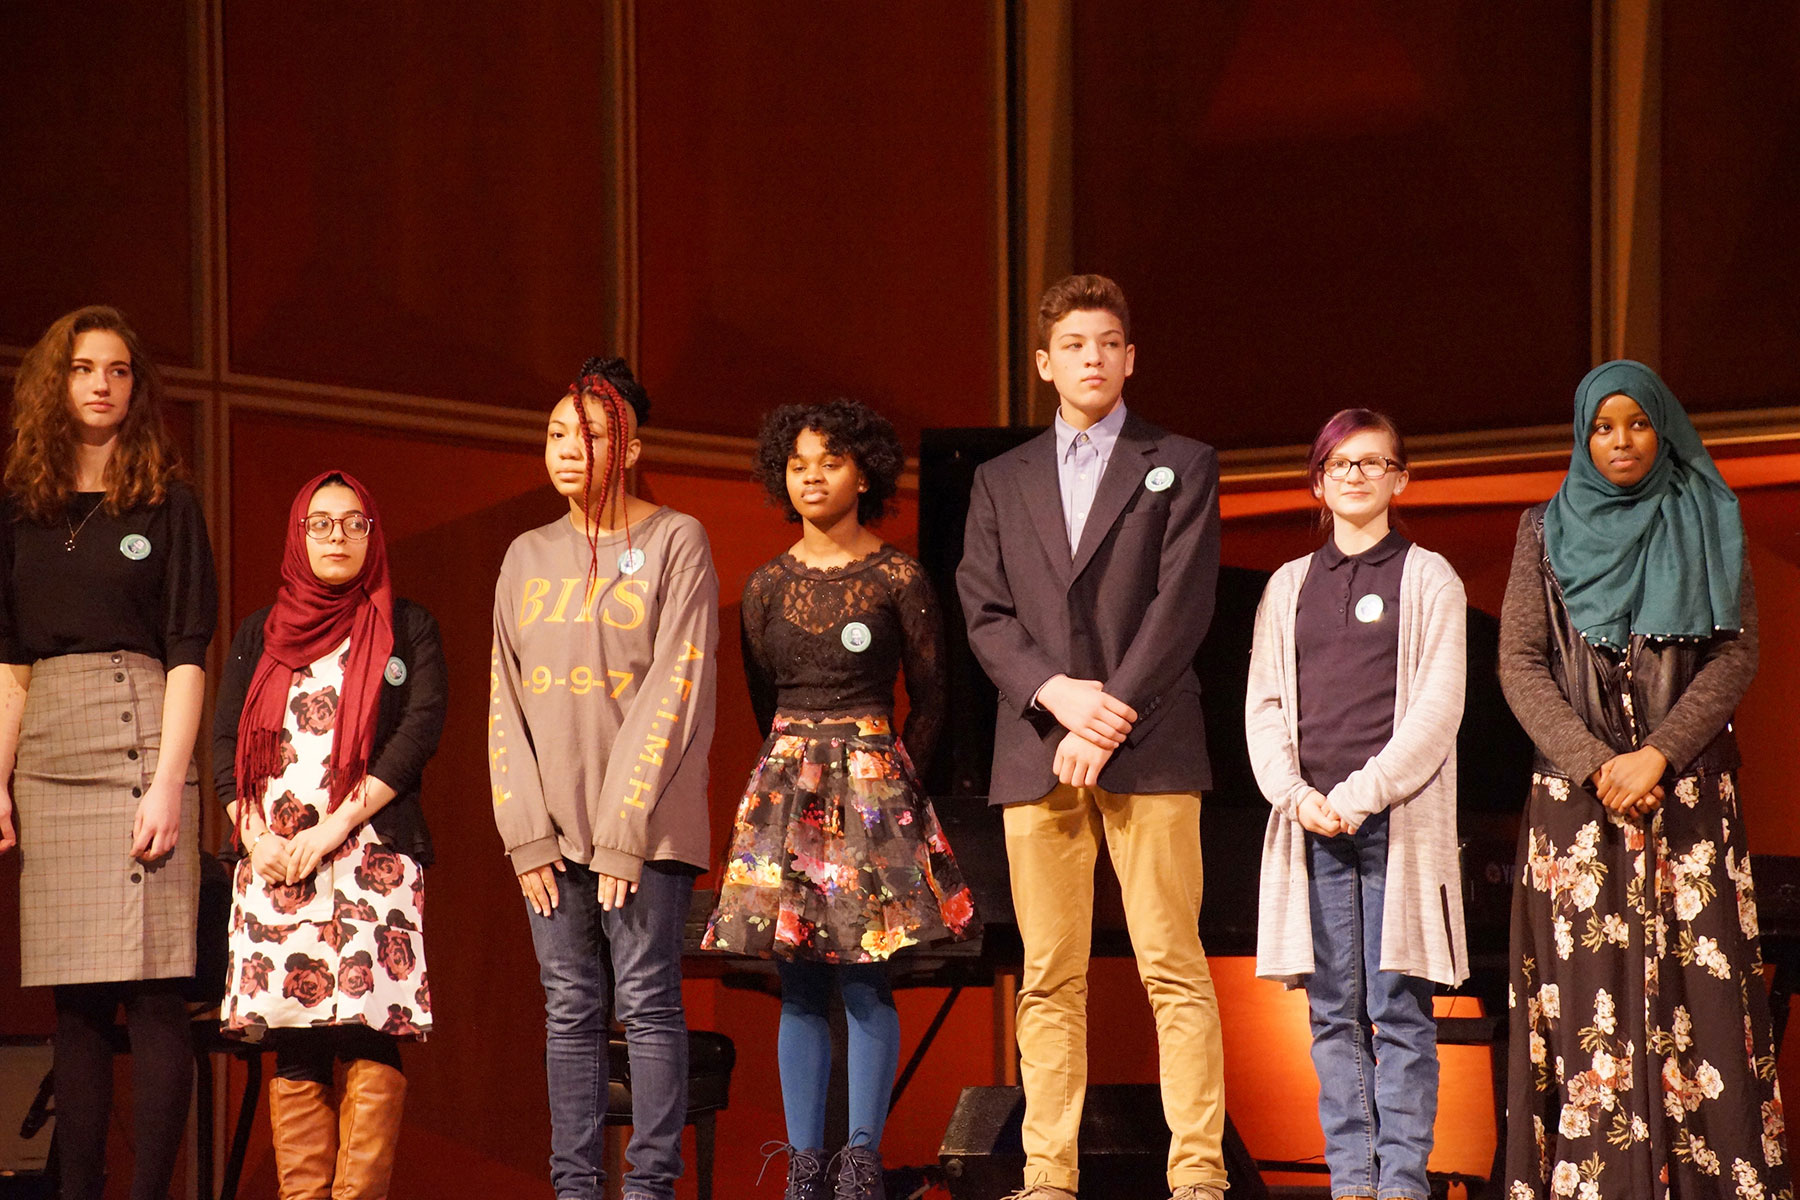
1154,841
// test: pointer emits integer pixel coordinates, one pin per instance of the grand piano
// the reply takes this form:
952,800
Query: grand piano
1494,756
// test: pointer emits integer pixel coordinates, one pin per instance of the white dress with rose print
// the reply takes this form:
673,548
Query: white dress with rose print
344,946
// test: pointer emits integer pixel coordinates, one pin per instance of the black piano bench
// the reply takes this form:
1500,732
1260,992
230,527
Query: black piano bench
711,1056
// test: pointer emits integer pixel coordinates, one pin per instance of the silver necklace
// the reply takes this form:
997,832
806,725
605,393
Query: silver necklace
74,529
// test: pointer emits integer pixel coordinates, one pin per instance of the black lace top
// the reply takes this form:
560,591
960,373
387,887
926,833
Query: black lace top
828,643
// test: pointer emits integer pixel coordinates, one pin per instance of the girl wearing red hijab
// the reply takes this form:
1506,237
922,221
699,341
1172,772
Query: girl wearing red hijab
330,705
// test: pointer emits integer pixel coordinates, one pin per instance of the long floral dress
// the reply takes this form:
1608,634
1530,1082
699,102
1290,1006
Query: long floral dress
344,946
1639,997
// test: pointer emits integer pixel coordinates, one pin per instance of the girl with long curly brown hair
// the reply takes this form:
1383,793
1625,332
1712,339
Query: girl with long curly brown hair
44,463
107,604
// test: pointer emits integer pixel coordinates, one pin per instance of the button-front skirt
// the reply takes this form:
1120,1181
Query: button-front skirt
88,911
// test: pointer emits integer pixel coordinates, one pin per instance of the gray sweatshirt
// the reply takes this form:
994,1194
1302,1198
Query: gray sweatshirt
603,698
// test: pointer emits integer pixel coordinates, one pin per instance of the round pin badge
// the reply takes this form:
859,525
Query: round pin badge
856,637
1160,479
632,561
1369,609
135,546
395,671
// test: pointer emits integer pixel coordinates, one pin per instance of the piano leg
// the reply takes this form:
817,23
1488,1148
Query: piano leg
918,1055
1781,992
1006,1031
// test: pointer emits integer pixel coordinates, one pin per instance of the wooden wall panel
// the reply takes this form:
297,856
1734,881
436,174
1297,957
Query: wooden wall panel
1314,206
415,196
1731,204
1310,205
95,172
816,214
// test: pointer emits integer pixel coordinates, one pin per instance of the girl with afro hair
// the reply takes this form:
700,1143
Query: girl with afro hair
836,860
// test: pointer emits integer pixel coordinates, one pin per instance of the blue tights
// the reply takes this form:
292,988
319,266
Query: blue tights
805,1048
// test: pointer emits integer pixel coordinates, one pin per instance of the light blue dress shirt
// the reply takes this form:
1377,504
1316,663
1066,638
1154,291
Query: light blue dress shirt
1081,458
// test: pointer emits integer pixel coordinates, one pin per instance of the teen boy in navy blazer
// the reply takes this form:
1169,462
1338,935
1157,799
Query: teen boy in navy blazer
1088,576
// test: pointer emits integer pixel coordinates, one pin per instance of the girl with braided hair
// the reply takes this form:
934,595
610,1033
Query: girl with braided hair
601,715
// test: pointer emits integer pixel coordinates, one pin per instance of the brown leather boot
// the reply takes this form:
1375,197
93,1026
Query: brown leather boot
368,1130
304,1127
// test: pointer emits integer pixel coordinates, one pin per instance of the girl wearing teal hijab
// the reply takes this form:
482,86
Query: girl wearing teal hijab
1661,556
1641,1059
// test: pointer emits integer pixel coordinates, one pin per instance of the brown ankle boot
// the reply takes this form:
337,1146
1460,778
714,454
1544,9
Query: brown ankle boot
369,1129
304,1128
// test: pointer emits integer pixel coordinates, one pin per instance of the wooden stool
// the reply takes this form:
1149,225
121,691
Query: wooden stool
711,1056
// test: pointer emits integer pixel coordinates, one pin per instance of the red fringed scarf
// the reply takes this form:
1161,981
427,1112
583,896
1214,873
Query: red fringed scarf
309,620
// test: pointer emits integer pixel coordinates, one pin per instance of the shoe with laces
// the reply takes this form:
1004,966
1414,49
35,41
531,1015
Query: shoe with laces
1040,1191
858,1175
1198,1191
807,1177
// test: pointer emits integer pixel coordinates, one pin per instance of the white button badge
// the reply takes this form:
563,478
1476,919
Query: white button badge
632,561
1369,609
856,637
1160,479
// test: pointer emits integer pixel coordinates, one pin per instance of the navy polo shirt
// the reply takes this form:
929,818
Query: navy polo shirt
1347,643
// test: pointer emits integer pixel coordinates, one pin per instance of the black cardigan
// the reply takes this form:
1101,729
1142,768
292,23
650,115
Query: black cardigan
407,725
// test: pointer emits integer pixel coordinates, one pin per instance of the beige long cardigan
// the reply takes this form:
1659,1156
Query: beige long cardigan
1413,777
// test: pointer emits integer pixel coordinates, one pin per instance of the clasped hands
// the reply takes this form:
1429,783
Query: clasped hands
1317,816
1097,725
1631,784
281,860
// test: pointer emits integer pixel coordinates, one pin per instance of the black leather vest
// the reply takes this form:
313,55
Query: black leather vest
1621,698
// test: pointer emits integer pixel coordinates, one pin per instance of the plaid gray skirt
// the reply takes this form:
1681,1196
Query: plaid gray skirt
88,911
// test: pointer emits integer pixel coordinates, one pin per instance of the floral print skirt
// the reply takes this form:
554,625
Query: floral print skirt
342,947
345,945
836,856
1641,1061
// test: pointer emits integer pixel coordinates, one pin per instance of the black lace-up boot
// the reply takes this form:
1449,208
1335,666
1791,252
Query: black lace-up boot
858,1175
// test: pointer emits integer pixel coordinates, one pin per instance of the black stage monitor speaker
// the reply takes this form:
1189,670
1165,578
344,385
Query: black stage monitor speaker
25,1122
1124,1146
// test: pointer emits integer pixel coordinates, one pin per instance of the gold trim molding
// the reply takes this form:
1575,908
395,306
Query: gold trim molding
1521,448
1478,452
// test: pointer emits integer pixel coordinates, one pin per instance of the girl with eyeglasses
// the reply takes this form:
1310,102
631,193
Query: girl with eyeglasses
107,604
1355,695
330,706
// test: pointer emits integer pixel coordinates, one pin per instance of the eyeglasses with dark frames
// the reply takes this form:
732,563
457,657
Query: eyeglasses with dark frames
1373,467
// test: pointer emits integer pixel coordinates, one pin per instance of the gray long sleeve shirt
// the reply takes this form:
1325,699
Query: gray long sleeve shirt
1537,700
603,697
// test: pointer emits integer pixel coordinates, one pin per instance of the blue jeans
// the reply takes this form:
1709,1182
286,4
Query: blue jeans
643,942
1374,1036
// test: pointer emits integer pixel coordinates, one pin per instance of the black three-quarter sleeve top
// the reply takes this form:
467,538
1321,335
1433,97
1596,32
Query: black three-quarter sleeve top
140,581
829,642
